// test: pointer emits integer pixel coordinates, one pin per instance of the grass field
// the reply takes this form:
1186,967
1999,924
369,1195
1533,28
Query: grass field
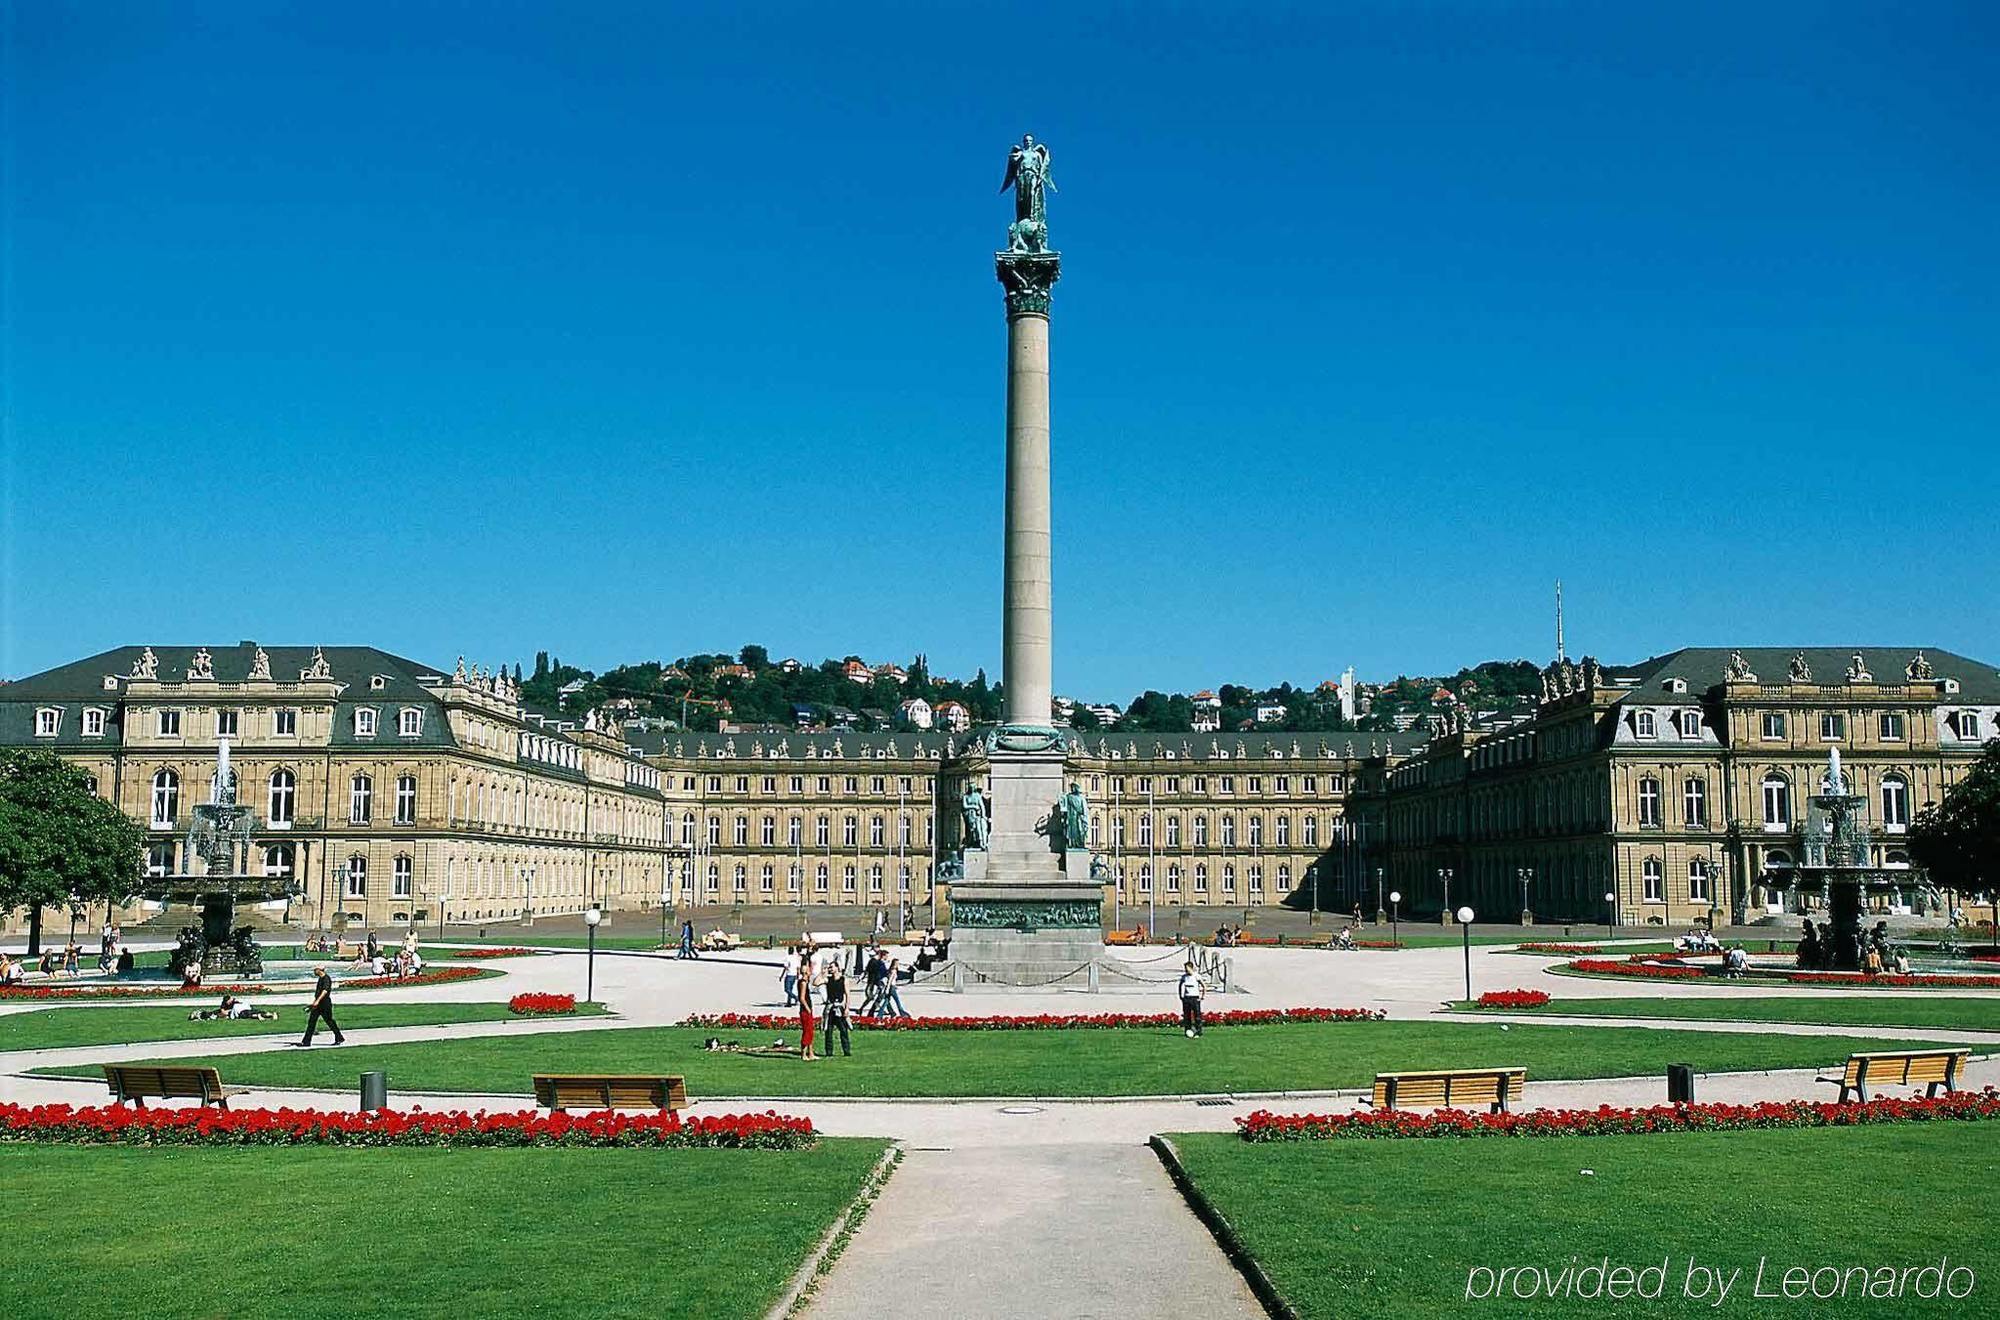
56,1028
1820,1010
1045,1063
324,1232
1395,1228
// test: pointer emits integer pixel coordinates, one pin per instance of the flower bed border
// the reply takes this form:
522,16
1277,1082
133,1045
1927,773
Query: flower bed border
201,1126
1511,999
509,952
1238,1017
1610,1120
541,1003
58,993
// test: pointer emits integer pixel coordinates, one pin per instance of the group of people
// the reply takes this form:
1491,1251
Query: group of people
1876,955
403,961
232,1009
816,982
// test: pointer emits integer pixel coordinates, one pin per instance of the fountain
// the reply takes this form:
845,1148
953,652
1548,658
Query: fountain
215,877
1836,864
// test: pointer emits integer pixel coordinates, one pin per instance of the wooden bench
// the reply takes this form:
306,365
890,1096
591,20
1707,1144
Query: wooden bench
137,1083
1459,1088
1927,1068
560,1091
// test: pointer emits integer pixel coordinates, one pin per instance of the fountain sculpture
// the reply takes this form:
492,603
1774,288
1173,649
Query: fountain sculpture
216,877
1836,864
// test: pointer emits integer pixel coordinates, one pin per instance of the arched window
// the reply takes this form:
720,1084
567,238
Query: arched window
1173,841
1283,828
740,877
1229,831
821,827
357,876
1649,801
360,800
819,878
877,831
1655,878
279,861
767,830
1201,877
714,833
1145,877
1145,829
1777,802
1201,831
687,830
739,832
1228,876
1173,878
1309,831
1285,877
1895,802
160,858
850,831
1698,881
166,797
406,803
875,878
284,798
1694,803
1256,831
402,876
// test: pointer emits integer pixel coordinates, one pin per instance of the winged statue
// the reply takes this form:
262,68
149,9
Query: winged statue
1028,176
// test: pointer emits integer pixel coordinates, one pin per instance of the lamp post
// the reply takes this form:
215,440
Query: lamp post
1378,895
1465,924
1395,915
591,918
1444,878
1610,912
444,897
1527,874
1312,876
75,899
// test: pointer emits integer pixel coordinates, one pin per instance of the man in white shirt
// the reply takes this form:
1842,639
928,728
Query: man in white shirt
1191,990
789,977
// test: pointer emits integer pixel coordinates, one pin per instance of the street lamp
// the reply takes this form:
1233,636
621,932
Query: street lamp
1312,876
666,898
1395,903
444,897
74,900
1527,873
1444,878
1611,912
1465,924
591,918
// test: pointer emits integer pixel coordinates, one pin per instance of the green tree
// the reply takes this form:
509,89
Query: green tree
1958,840
59,842
754,656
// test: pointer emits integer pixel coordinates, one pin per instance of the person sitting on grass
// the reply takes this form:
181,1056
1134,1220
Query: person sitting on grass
1736,962
10,971
1346,940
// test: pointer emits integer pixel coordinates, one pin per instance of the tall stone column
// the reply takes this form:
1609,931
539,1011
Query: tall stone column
1027,630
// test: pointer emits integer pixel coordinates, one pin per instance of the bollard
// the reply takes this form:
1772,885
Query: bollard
957,976
374,1092
1093,977
1680,1084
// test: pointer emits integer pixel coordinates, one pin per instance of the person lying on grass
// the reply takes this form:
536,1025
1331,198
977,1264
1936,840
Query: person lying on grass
233,1009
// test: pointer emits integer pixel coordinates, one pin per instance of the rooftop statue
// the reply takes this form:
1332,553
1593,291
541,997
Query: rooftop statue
1028,176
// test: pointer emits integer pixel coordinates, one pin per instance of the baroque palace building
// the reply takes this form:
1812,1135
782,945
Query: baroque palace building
1670,786
396,793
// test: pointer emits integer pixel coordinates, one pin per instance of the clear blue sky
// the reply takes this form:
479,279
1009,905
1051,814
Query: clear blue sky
629,331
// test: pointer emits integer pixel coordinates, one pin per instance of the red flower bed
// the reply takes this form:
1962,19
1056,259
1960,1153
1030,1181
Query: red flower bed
1652,971
1513,999
489,953
1378,944
1240,1017
212,989
541,1004
1561,948
1610,1120
202,1126
1666,969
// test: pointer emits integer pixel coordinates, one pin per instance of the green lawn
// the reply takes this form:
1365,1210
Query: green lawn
1821,1010
1359,1229
1044,1063
452,1233
54,1028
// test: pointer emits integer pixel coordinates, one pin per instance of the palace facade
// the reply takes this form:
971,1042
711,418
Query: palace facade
397,793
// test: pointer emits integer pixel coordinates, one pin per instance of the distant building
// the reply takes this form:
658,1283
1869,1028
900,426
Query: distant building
804,716
916,711
1270,712
857,671
1105,712
790,665
570,689
952,715
840,717
894,673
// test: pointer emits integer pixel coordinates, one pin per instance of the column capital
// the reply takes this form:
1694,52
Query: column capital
1029,279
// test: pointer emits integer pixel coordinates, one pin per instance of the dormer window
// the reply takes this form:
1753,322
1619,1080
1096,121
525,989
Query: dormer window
410,721
48,721
1643,725
364,722
1968,725
1690,724
93,721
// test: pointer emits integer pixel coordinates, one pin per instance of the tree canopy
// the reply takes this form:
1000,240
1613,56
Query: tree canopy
58,839
1958,840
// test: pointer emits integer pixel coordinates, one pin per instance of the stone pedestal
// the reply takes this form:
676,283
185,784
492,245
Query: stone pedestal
1026,914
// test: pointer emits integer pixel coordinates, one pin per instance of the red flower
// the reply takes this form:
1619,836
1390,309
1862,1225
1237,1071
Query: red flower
1561,948
539,1004
489,953
415,1127
1610,1120
1047,1021
1513,999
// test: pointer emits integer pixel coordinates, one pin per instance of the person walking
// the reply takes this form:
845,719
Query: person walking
321,1009
1191,990
806,979
892,1002
789,978
876,973
687,941
835,994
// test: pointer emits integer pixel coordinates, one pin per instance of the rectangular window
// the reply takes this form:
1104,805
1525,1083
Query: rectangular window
360,800
357,876
401,883
1892,726
1698,882
406,800
364,722
285,723
93,723
47,721
1649,802
770,784
1774,726
170,724
1694,802
1642,723
1832,726
798,783
226,722
410,721
1656,881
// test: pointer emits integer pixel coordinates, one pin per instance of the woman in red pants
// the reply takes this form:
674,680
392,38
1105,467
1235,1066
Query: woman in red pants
808,994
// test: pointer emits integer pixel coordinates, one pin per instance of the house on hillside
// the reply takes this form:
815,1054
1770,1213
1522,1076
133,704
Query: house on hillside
1207,712
1106,713
952,715
1270,711
804,716
894,673
857,671
790,665
916,711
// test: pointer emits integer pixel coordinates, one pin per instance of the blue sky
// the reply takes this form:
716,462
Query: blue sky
629,331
